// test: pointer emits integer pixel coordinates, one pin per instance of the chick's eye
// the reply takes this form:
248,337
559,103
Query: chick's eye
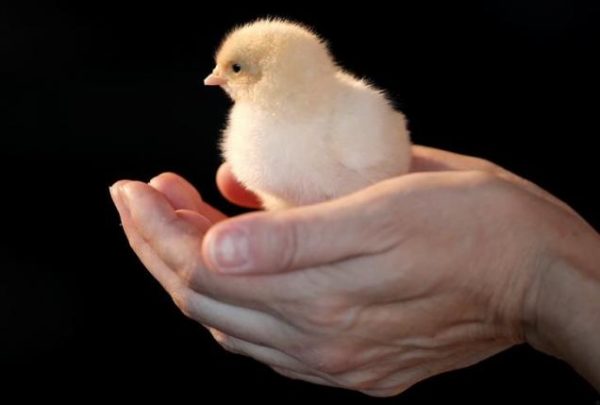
236,67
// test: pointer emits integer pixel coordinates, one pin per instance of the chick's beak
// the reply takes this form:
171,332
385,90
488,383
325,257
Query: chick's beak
214,79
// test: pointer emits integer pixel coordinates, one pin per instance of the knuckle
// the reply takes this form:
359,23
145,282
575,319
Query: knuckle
483,177
485,165
226,342
289,235
385,392
182,298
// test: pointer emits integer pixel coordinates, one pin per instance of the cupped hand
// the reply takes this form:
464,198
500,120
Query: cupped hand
375,291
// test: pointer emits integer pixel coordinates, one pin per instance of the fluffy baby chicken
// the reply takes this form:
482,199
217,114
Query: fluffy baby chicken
301,129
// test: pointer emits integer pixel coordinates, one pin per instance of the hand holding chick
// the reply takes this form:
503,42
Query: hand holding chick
302,130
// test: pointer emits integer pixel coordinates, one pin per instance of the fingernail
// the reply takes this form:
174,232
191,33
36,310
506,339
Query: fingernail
113,193
120,199
230,251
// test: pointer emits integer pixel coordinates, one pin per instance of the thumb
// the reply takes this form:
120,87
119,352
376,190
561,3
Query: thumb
280,241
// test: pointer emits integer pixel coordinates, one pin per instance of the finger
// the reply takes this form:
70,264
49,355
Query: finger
266,355
240,322
268,242
141,248
177,242
179,192
233,190
195,218
182,195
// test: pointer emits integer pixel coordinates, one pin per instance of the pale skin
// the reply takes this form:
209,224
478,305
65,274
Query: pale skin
429,272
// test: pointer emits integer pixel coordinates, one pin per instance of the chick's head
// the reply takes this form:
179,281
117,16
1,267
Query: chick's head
268,58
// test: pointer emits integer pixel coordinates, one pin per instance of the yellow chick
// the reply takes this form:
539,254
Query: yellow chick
301,129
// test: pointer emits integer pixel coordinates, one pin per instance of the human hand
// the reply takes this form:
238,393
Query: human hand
375,291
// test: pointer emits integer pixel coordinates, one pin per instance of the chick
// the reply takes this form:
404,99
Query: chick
301,129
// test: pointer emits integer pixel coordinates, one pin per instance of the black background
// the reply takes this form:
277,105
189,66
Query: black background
92,92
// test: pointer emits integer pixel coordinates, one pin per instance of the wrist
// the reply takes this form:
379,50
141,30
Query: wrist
562,314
